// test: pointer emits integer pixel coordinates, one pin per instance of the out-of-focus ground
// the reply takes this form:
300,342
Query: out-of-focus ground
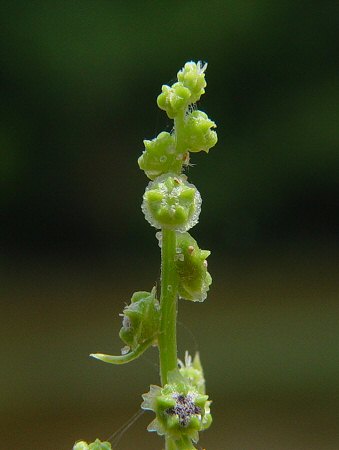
79,81
268,336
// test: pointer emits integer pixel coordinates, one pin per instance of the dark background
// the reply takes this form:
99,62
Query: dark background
79,85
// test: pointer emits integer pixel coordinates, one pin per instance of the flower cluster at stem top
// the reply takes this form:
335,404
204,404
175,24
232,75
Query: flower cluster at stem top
170,201
193,130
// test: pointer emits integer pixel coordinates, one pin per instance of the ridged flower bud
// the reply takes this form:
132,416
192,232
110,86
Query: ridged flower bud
193,371
81,445
198,133
192,76
140,328
171,202
181,410
160,156
140,321
96,445
194,279
174,99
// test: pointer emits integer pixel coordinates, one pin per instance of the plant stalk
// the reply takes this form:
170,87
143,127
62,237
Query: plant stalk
168,306
179,124
170,444
169,295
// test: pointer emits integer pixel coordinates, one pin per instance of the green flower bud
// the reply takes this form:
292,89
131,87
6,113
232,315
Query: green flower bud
160,156
96,445
193,371
171,202
192,76
81,445
198,133
140,328
174,99
194,279
181,410
141,319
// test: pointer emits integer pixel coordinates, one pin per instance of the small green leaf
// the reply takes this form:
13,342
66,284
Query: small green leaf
123,359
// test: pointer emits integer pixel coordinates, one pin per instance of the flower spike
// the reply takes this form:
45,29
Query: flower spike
172,205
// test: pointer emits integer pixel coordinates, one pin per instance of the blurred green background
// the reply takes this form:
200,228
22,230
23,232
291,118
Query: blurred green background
79,85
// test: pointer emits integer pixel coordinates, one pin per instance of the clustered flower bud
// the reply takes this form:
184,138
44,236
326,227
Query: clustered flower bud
140,319
194,279
192,76
160,156
174,99
169,153
171,202
181,410
198,133
96,445
140,328
193,371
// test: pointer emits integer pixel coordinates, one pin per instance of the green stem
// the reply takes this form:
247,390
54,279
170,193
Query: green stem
170,444
179,124
169,292
168,306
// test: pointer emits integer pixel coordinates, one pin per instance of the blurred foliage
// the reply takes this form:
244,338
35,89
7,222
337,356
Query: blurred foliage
80,81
